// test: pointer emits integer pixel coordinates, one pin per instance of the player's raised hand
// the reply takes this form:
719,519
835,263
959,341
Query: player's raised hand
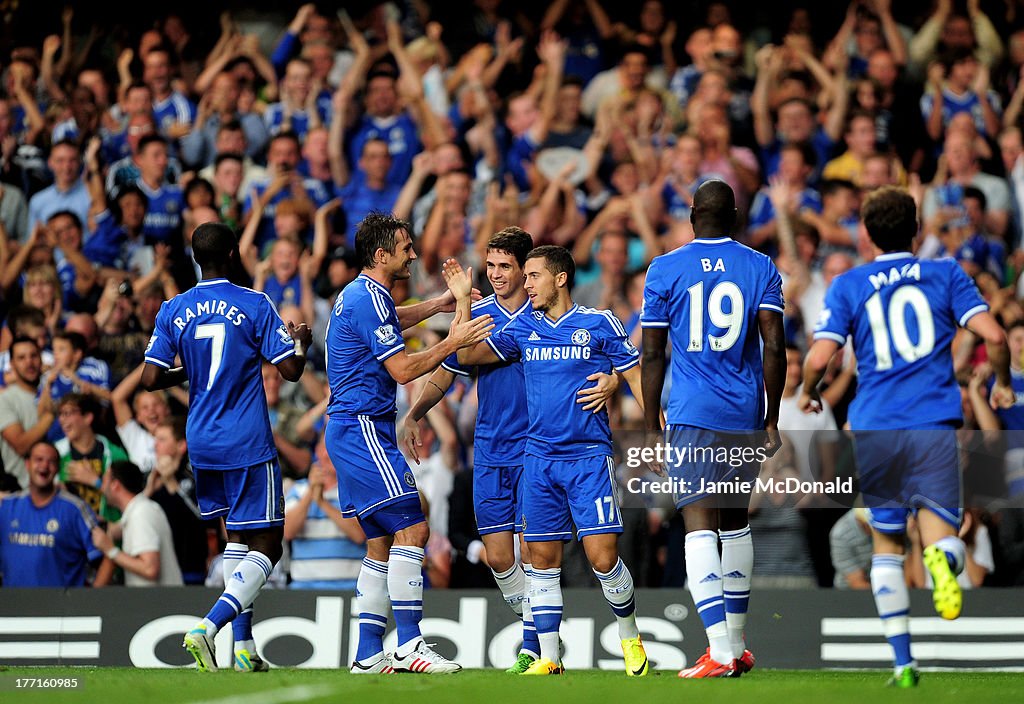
301,334
466,333
596,397
411,437
460,282
772,440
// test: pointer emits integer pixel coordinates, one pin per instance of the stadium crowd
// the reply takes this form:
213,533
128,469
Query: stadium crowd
588,124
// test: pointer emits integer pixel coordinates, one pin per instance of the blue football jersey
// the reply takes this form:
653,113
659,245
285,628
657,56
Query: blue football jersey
902,313
49,546
223,333
402,136
708,293
557,356
163,215
502,418
362,332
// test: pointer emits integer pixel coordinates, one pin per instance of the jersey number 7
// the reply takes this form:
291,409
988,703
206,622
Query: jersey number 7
215,333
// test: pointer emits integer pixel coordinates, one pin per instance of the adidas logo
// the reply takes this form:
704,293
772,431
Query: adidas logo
735,574
534,337
710,578
883,590
239,577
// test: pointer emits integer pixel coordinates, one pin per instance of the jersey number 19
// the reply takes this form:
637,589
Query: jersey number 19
731,321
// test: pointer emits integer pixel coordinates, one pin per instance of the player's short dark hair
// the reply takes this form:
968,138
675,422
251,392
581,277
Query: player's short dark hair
75,339
378,230
212,244
148,139
714,208
129,475
978,195
80,401
557,260
512,240
890,217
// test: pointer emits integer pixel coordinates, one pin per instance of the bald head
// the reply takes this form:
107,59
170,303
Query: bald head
714,209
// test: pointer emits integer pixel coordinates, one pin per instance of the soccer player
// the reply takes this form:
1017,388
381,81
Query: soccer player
500,436
366,359
902,313
222,333
717,300
568,472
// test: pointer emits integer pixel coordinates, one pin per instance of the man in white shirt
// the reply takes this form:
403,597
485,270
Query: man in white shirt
138,419
147,548
807,431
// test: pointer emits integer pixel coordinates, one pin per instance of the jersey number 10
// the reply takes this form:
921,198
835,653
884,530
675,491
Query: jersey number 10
731,321
893,325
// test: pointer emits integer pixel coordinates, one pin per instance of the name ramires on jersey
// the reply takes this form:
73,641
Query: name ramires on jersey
887,278
213,307
554,354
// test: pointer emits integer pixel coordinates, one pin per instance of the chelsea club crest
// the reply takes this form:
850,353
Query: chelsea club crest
581,337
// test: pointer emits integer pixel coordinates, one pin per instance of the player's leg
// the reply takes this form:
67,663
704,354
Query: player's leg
546,525
546,604
704,580
889,587
593,500
373,604
881,464
494,504
737,567
255,506
531,645
247,658
935,488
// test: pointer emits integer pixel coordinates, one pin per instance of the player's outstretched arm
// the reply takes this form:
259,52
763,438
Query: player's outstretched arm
291,367
774,336
430,395
404,367
985,326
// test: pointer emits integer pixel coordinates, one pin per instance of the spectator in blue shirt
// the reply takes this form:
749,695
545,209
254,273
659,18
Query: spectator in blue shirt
68,191
45,532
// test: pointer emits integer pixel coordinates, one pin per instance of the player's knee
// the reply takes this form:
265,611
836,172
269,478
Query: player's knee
604,562
500,560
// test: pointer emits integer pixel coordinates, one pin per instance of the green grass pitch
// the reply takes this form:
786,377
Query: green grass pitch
134,686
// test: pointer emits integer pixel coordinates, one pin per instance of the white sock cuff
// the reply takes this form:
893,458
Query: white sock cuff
539,577
726,535
698,537
258,558
506,574
406,553
235,550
